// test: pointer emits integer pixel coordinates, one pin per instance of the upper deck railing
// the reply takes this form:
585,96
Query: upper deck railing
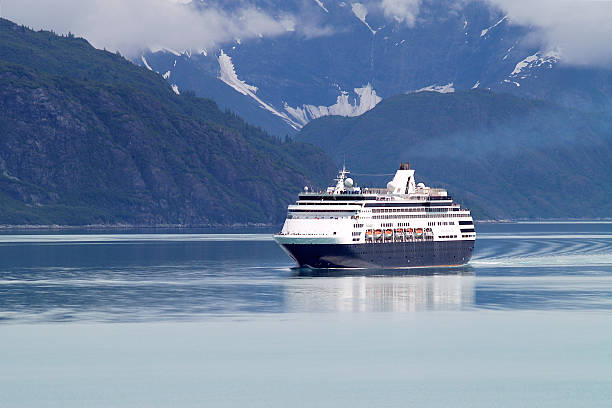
419,194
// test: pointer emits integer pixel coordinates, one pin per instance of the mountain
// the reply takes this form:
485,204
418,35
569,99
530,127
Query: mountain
358,56
88,137
504,156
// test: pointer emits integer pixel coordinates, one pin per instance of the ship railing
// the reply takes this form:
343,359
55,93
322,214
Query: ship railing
369,190
438,191
419,194
325,192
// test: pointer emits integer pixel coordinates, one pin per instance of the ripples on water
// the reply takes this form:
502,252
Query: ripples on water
152,277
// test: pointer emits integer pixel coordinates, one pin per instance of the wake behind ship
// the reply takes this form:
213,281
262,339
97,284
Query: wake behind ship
405,225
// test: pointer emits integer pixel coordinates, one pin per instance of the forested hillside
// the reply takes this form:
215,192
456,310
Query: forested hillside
502,155
88,137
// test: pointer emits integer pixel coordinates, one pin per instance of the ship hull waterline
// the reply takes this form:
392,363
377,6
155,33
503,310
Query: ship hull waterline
392,255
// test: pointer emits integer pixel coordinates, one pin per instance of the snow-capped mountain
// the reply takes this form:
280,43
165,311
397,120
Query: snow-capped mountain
351,55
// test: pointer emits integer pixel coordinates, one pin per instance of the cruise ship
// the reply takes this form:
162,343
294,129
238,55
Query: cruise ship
405,225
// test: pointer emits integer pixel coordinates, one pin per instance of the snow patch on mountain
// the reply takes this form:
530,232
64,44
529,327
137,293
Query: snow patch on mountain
165,49
360,11
536,60
366,99
476,85
320,3
146,64
175,89
166,75
508,51
511,82
448,88
486,30
228,76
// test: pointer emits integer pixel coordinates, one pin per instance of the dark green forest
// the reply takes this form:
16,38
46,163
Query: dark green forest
87,137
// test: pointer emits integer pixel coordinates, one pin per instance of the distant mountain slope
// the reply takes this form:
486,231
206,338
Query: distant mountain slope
360,55
88,137
503,156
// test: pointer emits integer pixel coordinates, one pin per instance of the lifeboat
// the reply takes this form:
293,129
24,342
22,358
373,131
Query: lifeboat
418,232
399,234
368,234
388,233
378,234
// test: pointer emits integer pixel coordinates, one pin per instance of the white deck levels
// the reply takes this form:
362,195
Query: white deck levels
404,211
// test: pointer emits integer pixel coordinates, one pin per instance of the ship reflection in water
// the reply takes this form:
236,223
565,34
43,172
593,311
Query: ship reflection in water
380,291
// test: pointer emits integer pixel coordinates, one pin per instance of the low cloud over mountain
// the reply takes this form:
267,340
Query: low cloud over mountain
131,26
579,29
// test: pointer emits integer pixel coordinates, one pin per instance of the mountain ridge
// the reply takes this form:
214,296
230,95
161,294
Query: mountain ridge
470,44
504,156
90,138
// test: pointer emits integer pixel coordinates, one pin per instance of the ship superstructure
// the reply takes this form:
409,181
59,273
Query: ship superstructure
404,225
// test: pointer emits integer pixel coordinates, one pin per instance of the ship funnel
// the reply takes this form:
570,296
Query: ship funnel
403,182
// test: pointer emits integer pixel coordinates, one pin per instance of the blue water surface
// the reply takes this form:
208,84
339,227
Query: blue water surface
194,318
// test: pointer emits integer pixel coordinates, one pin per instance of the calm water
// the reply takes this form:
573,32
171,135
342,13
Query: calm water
194,320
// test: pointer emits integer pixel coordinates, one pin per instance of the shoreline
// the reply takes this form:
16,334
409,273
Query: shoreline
119,227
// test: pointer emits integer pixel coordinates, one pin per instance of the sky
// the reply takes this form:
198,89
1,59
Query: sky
581,30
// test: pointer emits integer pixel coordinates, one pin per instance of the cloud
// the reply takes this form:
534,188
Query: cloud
403,11
130,26
580,30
